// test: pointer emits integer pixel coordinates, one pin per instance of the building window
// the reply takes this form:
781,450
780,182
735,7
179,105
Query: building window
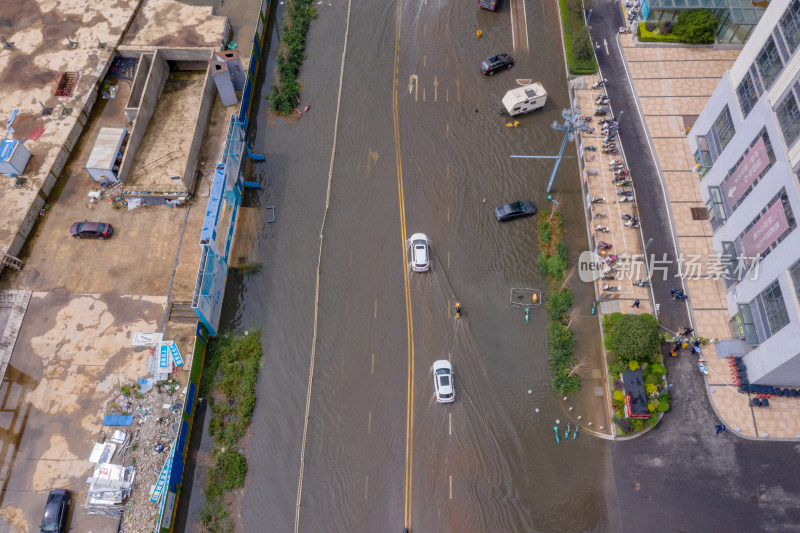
794,272
789,118
790,24
774,308
743,325
703,155
769,62
747,94
716,209
723,127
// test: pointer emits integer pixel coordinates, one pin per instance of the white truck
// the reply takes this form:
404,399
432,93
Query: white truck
525,99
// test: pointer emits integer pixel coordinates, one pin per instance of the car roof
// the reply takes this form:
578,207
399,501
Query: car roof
54,500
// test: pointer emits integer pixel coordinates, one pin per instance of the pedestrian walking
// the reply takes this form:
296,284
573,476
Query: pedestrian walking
635,304
694,350
721,429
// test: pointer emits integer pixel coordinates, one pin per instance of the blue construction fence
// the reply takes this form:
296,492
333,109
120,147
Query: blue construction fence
212,275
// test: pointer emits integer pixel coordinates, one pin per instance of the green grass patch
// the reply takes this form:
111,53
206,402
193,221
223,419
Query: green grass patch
231,369
285,91
651,37
577,41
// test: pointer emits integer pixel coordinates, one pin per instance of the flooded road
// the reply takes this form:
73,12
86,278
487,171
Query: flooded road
419,147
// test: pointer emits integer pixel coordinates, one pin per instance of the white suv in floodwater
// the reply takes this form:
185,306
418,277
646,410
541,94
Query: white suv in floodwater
420,252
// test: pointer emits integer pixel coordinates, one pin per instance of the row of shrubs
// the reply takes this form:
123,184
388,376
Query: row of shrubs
230,370
577,40
696,26
635,342
553,265
285,91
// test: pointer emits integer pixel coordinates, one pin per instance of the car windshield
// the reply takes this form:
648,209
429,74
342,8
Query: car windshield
49,526
101,228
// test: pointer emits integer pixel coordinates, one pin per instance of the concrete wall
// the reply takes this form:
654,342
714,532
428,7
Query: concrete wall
137,87
159,70
201,121
60,161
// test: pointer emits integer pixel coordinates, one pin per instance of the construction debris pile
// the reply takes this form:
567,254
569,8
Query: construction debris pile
145,417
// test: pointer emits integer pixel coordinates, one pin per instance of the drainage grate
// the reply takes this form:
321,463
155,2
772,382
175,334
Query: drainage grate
699,213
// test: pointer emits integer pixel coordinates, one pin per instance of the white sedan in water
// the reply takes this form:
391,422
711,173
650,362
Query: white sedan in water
420,252
443,381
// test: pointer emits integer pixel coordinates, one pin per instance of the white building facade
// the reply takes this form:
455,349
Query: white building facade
747,146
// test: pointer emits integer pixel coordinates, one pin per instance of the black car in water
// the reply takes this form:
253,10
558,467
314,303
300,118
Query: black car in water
91,230
55,511
514,210
493,64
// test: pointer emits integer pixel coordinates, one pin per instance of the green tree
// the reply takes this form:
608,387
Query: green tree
696,26
631,337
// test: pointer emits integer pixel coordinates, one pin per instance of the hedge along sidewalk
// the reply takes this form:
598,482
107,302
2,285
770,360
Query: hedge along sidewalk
564,366
574,29
231,369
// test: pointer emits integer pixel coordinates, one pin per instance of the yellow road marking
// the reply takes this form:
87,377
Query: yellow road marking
372,366
451,487
366,488
375,311
409,318
450,419
369,424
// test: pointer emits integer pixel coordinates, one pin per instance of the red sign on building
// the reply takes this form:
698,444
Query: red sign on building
746,173
768,228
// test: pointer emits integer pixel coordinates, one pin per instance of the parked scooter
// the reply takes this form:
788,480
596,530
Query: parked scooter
626,183
598,200
613,258
624,29
591,171
624,193
610,268
602,245
610,277
611,288
626,199
611,151
600,111
598,83
632,224
640,283
600,215
626,216
602,99
616,161
609,120
590,148
604,229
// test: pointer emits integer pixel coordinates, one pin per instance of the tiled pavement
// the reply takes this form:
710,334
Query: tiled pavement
673,85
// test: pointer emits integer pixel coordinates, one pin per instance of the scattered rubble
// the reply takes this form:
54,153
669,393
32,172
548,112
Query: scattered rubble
139,457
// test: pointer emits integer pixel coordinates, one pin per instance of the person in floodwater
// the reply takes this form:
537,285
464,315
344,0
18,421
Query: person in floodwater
458,310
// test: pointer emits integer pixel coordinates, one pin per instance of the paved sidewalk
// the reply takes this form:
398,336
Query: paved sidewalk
672,86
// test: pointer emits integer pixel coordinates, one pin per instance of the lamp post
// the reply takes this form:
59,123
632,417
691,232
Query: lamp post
571,125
